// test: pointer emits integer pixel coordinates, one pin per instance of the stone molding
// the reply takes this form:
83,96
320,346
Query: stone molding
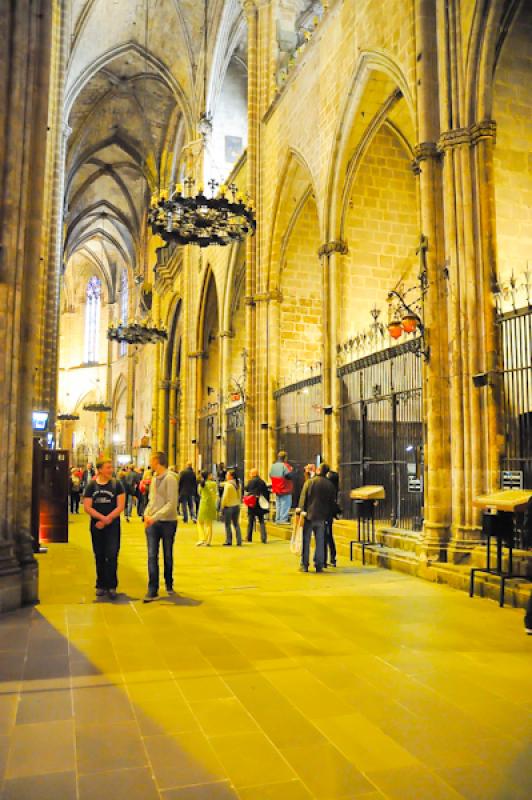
226,334
423,151
485,129
266,297
334,246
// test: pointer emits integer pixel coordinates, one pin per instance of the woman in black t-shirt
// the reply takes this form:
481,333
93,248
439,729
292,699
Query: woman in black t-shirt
104,501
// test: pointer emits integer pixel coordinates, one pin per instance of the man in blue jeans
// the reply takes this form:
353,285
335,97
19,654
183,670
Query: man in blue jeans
318,502
160,521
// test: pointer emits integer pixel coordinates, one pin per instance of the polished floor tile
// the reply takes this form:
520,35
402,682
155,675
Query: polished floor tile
258,683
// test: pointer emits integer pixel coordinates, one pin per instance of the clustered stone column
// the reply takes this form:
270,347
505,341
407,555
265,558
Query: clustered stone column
25,52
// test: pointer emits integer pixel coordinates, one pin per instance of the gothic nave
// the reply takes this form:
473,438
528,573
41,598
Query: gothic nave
234,228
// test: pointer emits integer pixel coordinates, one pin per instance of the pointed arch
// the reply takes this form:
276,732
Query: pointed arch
295,174
376,75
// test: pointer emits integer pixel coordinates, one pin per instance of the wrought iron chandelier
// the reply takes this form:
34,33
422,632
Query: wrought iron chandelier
67,417
136,332
187,217
184,214
97,407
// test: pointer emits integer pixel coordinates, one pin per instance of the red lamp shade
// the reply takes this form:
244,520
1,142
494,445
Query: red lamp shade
395,329
409,323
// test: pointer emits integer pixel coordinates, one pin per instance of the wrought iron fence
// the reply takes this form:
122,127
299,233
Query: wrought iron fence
381,428
516,345
235,439
300,425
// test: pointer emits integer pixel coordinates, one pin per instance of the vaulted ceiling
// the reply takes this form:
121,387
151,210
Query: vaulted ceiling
134,92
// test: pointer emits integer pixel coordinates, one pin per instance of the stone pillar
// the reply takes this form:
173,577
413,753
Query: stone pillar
223,379
273,353
483,142
329,254
53,222
25,52
130,397
162,415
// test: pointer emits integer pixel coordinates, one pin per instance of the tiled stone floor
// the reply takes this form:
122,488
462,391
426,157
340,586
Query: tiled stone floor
260,683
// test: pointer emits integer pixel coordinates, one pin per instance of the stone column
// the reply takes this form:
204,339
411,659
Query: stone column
250,413
25,52
483,142
130,398
53,232
223,379
162,415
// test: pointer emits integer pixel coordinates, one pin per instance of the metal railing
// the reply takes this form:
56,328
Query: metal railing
382,432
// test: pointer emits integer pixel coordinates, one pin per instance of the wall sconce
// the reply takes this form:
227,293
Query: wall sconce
327,410
218,436
194,441
264,426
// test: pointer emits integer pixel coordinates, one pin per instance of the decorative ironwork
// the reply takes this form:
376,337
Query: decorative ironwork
98,407
514,293
136,333
406,305
67,417
186,217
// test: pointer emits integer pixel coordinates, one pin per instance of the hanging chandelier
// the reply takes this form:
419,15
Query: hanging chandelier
67,417
97,407
189,217
136,332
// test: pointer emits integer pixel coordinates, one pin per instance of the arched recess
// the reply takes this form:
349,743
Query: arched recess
379,92
511,101
295,274
208,389
172,374
379,224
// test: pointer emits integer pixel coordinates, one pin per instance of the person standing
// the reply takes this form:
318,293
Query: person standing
74,490
130,486
281,478
104,501
330,544
160,521
87,475
208,494
188,488
230,506
143,492
317,502
256,489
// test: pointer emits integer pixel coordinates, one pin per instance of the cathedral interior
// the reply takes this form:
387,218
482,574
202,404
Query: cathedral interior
231,228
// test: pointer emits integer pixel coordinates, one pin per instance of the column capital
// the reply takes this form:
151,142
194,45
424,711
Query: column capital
485,129
265,297
164,384
423,151
334,246
454,138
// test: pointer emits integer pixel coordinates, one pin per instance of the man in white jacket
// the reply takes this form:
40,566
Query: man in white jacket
160,521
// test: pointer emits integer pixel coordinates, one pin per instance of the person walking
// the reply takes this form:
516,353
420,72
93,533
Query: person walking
74,490
160,521
317,503
207,513
188,487
230,506
258,498
281,478
104,501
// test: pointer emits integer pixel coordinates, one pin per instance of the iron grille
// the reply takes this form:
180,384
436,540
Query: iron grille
235,439
516,345
300,425
208,430
381,429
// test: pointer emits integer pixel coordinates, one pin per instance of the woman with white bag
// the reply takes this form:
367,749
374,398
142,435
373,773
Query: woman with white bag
257,501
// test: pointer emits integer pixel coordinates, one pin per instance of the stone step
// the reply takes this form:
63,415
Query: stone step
404,558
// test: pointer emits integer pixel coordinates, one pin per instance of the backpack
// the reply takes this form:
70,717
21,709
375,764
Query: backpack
76,483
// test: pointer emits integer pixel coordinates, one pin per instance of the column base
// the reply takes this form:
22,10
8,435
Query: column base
434,544
18,585
464,540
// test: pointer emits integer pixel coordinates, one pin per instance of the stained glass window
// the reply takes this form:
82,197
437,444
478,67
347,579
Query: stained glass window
124,306
92,319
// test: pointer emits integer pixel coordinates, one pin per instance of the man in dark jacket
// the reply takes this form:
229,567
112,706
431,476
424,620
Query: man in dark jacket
318,502
188,489
256,488
330,544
